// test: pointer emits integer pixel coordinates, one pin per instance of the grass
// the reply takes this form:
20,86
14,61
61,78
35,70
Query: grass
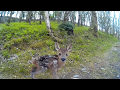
26,40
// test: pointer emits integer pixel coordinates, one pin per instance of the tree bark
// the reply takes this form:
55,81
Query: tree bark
29,17
94,26
78,18
9,20
34,13
40,17
21,16
66,16
56,39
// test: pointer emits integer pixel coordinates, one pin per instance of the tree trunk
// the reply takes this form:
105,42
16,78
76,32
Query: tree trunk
29,17
66,16
49,28
34,16
73,17
78,18
2,17
47,21
21,16
9,20
94,25
40,19
81,21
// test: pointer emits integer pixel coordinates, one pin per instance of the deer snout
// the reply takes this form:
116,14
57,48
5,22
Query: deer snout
63,59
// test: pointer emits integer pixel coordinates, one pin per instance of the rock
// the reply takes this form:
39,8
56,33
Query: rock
1,47
14,56
76,77
84,69
102,68
118,76
2,58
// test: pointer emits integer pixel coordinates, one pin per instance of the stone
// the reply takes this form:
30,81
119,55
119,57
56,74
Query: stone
118,76
76,77
84,69
102,68
14,56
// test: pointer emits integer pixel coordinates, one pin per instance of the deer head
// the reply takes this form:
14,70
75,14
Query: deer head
63,52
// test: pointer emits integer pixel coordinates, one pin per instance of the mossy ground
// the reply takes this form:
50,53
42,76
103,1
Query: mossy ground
26,40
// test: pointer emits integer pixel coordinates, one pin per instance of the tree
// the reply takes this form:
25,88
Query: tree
114,24
66,15
94,26
78,18
81,18
2,17
47,20
41,15
11,13
57,15
29,16
82,15
21,16
73,17
34,15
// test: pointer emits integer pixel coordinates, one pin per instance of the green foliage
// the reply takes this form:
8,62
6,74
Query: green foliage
54,25
66,26
15,42
16,29
5,53
26,40
37,45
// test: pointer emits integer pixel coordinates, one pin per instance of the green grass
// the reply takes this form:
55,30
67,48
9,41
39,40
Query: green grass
26,40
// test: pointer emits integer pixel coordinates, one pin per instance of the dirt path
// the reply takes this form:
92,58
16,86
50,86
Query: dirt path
105,66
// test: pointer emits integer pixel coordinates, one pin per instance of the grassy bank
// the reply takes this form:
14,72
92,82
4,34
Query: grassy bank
26,40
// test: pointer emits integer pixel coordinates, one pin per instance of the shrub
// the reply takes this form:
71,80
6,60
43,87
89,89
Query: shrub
67,26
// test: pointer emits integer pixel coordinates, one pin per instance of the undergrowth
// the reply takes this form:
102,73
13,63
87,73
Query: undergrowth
27,40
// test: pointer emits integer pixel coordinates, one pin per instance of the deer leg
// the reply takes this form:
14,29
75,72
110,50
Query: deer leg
36,70
33,72
54,74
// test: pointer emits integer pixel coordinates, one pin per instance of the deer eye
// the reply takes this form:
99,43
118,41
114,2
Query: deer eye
59,54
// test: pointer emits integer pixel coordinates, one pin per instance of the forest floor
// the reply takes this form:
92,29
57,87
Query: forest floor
91,58
104,66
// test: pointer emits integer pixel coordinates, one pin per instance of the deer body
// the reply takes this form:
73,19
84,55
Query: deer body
50,62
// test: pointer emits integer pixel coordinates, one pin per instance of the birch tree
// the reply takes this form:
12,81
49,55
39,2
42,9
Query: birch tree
47,20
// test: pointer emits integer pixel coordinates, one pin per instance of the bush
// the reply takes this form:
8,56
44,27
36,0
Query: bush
67,26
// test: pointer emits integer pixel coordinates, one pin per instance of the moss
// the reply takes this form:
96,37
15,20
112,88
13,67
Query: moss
38,45
6,53
26,40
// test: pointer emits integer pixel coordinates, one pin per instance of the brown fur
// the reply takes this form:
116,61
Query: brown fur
52,63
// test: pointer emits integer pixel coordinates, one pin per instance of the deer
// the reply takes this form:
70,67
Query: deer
53,63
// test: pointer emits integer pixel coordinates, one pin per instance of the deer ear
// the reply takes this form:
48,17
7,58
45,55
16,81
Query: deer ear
69,47
57,46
